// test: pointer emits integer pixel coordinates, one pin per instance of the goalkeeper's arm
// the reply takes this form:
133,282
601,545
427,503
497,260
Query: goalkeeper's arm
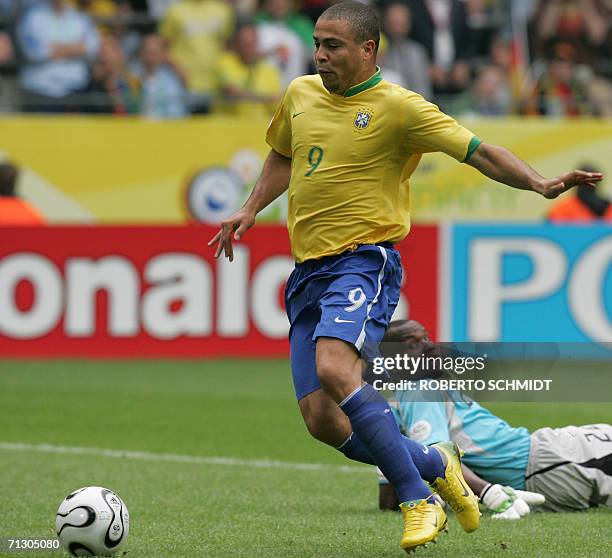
503,501
474,481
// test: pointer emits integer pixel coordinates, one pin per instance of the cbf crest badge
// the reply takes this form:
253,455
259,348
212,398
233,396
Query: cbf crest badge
362,119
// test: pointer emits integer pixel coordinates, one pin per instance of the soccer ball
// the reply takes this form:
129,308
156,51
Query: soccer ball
92,521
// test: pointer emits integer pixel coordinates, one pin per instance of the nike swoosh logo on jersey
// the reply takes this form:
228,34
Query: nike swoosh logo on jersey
297,114
338,320
425,449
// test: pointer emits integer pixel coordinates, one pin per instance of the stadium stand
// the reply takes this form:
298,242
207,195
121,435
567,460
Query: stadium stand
494,57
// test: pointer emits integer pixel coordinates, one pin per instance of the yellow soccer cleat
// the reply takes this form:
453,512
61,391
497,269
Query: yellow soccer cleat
422,523
453,488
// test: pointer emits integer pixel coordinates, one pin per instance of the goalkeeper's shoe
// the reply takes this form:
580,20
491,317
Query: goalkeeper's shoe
453,488
423,521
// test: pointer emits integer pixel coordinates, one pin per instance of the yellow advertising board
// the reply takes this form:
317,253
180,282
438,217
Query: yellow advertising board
130,170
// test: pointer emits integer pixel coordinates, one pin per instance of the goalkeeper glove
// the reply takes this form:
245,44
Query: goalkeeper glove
507,503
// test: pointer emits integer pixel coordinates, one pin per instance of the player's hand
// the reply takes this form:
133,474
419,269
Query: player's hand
236,225
507,503
550,188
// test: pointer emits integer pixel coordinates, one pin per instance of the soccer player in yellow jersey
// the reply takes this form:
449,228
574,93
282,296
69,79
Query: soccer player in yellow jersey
344,143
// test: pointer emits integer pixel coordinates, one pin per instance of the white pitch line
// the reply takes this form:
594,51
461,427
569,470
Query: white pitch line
177,458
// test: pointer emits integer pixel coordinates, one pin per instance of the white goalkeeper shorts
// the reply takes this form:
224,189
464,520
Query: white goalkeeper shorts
571,466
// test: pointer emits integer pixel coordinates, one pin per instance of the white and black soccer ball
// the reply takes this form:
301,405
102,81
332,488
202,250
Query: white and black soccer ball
92,521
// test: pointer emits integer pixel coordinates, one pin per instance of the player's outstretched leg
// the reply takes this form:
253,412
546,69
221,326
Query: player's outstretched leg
369,416
453,488
373,423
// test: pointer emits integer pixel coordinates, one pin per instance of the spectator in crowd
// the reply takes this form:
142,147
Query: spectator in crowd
500,54
513,75
155,8
57,42
441,27
244,9
250,84
103,11
282,11
403,55
113,18
585,204
563,87
6,45
114,90
13,210
584,24
600,94
450,51
162,92
483,21
387,72
282,39
196,31
7,57
491,93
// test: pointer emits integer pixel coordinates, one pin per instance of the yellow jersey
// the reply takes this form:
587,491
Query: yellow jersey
352,156
196,31
261,78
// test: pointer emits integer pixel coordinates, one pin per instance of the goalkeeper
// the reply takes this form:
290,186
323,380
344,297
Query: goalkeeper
560,469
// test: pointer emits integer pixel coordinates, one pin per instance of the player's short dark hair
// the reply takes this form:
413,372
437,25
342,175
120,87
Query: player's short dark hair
362,19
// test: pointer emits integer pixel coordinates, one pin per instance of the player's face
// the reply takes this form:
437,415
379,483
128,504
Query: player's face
417,339
340,60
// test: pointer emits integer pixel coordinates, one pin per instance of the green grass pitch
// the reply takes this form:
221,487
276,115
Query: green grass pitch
253,504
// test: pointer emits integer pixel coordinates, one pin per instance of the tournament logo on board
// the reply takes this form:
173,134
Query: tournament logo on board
213,194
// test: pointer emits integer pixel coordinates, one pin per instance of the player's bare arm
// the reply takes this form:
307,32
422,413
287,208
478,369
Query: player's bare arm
476,483
272,182
503,166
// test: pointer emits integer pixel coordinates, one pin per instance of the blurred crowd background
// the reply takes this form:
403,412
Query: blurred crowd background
175,58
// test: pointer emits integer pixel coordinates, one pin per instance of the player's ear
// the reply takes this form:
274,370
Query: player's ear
369,49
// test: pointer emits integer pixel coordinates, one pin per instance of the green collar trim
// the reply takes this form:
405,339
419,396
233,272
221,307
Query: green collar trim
367,84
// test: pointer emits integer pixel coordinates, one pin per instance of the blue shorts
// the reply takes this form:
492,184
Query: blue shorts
351,296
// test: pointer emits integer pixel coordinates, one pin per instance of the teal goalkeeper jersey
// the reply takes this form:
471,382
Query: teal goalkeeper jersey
494,450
